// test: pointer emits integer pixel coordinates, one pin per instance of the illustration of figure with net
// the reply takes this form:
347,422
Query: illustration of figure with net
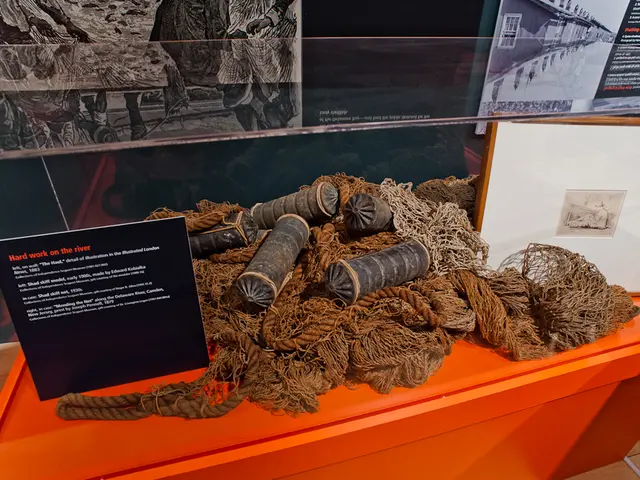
210,45
27,21
32,44
269,96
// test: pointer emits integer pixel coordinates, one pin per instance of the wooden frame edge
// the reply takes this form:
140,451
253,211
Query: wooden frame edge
482,184
602,120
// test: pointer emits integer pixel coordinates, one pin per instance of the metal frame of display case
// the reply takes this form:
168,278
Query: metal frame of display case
480,416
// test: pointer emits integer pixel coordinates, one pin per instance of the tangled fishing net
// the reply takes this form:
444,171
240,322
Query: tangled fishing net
546,299
443,228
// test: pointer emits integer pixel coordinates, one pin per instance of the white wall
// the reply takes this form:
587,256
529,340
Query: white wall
534,164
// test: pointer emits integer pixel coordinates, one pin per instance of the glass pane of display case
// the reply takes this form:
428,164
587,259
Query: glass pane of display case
83,190
29,207
118,130
88,97
107,131
113,187
29,204
306,198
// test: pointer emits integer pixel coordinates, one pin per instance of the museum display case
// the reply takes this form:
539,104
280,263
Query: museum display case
348,218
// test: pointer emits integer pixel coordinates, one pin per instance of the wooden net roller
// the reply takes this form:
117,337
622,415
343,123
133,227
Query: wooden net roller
366,214
352,279
237,231
265,275
314,204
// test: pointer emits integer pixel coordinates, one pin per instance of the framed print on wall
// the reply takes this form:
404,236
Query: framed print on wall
571,185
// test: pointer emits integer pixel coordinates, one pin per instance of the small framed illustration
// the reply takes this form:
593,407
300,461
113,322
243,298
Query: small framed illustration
590,213
573,185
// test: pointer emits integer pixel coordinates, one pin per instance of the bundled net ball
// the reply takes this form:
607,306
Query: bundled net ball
571,300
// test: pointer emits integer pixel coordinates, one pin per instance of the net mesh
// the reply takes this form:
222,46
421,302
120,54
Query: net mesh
545,299
443,228
461,191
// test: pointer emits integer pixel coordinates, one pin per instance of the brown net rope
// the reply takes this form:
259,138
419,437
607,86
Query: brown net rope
328,249
209,214
572,300
386,354
624,311
306,343
515,334
177,400
461,191
454,312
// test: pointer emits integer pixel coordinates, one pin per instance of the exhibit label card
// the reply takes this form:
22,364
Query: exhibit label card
104,306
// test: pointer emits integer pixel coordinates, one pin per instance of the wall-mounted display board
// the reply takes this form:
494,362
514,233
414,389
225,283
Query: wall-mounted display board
569,185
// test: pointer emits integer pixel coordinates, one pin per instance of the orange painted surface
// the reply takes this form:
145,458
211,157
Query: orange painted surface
569,435
475,385
531,444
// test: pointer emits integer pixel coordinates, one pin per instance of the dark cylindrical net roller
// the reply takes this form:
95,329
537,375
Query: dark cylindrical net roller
236,231
351,279
314,204
366,214
265,275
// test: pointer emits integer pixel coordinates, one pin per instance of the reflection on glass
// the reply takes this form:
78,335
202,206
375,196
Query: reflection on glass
7,332
28,201
115,187
84,97
133,71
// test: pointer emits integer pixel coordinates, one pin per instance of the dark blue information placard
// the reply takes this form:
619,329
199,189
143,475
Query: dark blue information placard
104,306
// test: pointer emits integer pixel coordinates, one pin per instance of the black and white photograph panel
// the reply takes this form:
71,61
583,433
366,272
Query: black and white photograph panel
600,104
551,49
590,213
79,72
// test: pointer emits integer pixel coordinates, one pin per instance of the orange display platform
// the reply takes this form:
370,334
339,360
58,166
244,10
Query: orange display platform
480,416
